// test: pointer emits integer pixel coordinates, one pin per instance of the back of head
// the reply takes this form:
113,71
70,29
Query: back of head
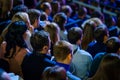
100,33
15,33
74,34
54,73
66,9
39,39
33,15
82,11
18,8
113,45
14,36
53,30
21,16
61,50
109,68
60,19
44,6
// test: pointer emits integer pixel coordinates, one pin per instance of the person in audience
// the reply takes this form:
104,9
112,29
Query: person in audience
54,73
34,16
88,34
109,68
68,11
14,46
60,19
44,19
20,16
54,31
101,35
63,56
56,7
82,16
46,7
82,60
34,63
112,46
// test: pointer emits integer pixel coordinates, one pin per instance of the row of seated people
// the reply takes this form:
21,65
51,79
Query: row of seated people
67,54
27,49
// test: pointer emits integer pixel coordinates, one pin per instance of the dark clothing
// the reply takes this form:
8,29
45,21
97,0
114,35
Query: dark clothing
4,65
96,62
34,64
96,47
81,21
69,74
70,23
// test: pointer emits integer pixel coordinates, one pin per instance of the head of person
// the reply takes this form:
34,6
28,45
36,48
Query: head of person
15,36
54,31
21,16
63,52
82,12
44,16
98,14
67,10
54,73
88,33
113,45
40,41
18,8
101,34
46,7
60,19
109,68
34,16
75,35
55,7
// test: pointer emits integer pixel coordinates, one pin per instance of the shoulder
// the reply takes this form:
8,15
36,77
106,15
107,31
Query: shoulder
71,76
84,53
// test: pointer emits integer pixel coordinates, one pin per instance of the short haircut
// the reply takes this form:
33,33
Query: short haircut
82,11
39,39
99,34
60,19
54,73
113,45
44,6
33,15
61,50
74,34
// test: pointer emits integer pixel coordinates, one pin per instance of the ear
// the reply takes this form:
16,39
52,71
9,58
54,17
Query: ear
69,58
45,49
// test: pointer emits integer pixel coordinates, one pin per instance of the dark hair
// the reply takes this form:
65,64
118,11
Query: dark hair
60,19
74,34
14,37
109,68
39,39
44,6
112,45
82,11
33,15
18,8
99,34
54,73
